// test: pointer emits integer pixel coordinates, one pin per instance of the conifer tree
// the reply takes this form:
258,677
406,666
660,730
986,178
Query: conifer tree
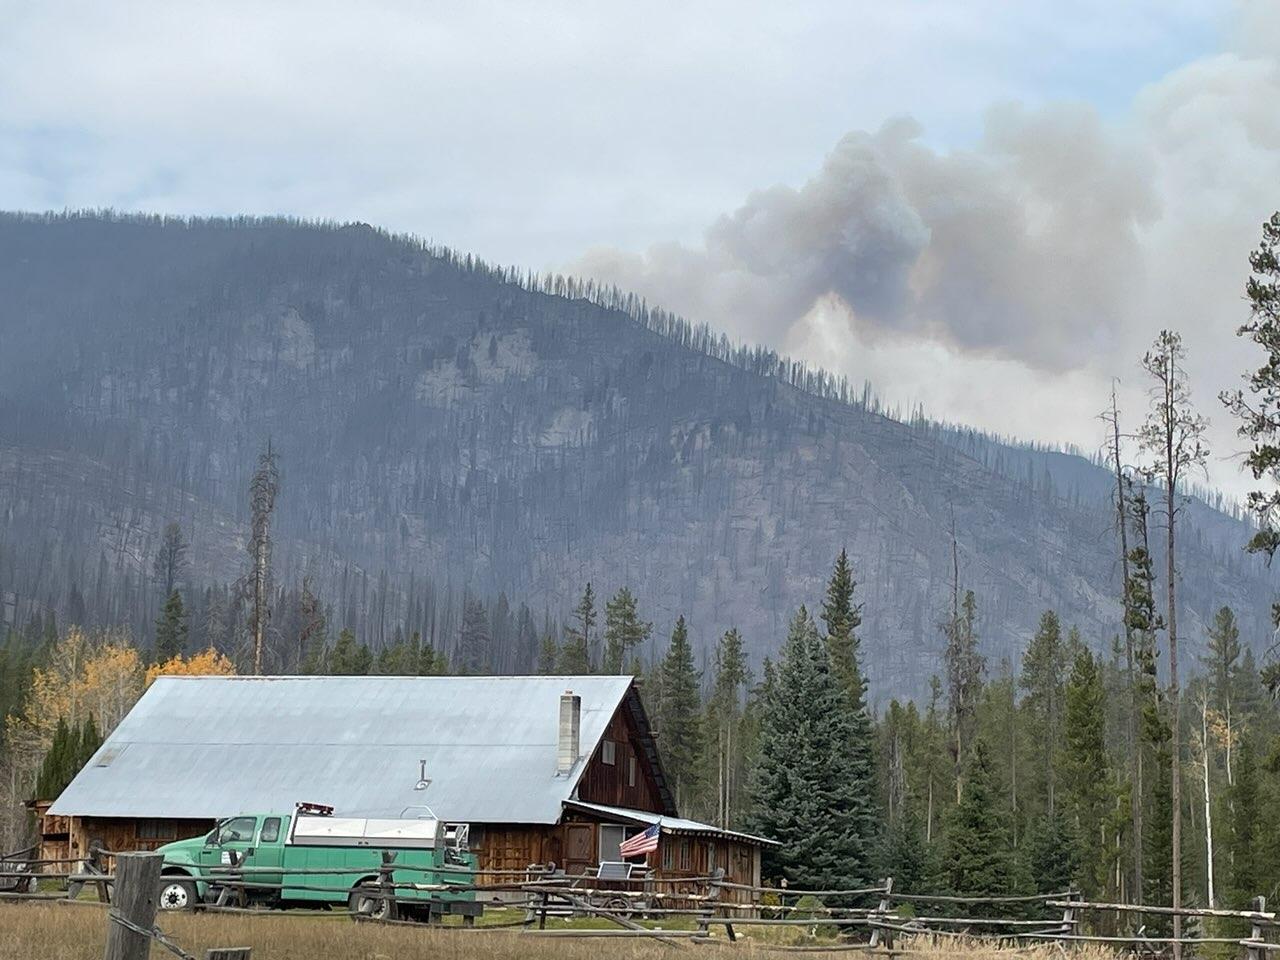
979,859
965,667
842,618
624,632
1043,671
679,717
474,653
348,658
575,653
724,715
171,629
808,789
1052,846
1086,769
548,654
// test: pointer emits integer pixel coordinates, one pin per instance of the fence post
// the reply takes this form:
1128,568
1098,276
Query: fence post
137,890
387,884
1259,905
1069,912
879,933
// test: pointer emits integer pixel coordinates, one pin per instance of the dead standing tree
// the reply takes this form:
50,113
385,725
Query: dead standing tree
1174,435
262,502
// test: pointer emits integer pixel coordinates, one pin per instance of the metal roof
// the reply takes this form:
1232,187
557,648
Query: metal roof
206,747
672,824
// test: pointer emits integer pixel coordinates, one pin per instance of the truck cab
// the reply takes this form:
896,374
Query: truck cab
311,855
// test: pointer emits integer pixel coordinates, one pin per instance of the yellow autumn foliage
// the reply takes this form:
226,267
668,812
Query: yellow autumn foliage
98,675
203,664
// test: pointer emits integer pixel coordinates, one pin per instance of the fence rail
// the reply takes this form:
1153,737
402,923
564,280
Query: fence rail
542,894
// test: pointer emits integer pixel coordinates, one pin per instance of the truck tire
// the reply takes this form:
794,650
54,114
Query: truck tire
177,893
365,900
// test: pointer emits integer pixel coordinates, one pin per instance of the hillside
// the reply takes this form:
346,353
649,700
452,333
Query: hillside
439,423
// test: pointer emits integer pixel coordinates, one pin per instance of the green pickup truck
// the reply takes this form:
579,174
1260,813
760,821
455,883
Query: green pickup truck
278,849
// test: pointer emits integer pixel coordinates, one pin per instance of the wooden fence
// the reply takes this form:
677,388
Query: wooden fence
876,918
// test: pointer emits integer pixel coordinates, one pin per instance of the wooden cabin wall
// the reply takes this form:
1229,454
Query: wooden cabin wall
611,783
513,847
127,833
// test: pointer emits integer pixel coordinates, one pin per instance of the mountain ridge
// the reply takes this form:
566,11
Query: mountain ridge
437,416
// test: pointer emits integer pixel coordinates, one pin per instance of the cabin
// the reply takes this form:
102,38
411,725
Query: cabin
546,770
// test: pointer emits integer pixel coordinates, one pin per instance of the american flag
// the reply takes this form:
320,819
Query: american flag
642,843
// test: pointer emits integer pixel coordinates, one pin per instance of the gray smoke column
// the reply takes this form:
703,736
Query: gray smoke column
1025,247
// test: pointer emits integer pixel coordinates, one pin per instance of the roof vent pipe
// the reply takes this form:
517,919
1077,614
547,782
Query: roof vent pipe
570,745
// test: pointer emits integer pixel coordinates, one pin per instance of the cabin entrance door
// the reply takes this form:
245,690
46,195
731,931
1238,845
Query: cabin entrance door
578,848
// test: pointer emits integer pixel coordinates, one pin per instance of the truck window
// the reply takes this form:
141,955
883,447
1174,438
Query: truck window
270,830
237,830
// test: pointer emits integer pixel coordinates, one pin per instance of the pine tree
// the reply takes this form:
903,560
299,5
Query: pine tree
1086,770
548,654
575,653
1259,412
809,792
965,668
349,659
1052,846
474,642
842,618
624,632
55,770
679,717
1043,670
724,716
171,629
170,564
979,860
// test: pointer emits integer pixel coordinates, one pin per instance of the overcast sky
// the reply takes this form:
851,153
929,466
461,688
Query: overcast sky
985,207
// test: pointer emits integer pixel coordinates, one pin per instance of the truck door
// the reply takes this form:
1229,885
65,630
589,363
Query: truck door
269,850
235,835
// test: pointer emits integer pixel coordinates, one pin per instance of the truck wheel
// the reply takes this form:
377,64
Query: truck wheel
177,894
365,900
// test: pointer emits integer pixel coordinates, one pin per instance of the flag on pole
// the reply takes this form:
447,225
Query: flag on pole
642,843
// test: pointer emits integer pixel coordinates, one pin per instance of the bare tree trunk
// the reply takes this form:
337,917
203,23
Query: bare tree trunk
1208,807
1134,749
1175,693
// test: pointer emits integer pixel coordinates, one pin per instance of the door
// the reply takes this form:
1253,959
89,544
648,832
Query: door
268,851
579,853
235,835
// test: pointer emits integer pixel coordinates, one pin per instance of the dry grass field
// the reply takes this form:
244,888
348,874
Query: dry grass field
60,931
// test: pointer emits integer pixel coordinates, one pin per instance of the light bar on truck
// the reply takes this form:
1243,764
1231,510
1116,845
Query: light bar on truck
315,809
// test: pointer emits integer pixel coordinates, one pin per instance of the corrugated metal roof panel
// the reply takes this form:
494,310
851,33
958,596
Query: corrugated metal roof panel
676,824
204,747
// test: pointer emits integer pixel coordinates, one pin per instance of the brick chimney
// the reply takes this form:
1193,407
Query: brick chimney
570,746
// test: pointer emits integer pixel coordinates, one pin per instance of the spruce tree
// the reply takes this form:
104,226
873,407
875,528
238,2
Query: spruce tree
979,860
1043,670
1086,769
809,790
624,632
548,654
171,629
575,653
679,717
55,770
348,658
842,618
475,653
1051,859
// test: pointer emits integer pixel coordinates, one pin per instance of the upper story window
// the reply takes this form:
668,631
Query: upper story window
631,771
609,752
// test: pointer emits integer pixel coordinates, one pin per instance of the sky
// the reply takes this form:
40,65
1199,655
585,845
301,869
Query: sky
987,209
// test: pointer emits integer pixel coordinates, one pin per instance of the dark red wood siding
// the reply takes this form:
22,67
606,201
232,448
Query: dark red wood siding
610,783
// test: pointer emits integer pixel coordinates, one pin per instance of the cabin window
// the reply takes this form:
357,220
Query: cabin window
609,752
668,856
612,836
711,855
270,830
631,771
686,855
